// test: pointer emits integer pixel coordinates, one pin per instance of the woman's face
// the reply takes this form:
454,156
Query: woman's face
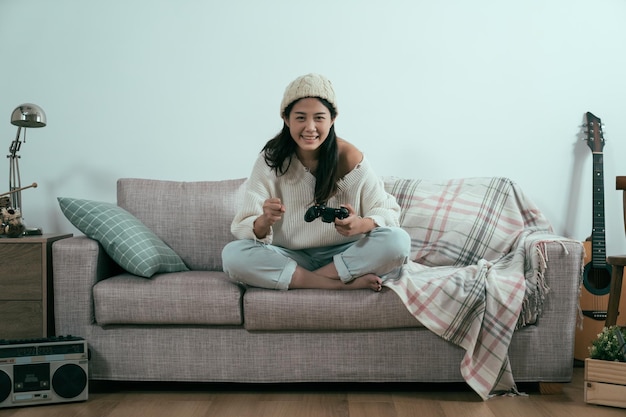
309,124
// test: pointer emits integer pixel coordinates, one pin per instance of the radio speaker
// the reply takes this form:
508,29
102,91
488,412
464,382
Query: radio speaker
5,386
69,381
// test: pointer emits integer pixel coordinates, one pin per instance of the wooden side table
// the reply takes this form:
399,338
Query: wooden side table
26,296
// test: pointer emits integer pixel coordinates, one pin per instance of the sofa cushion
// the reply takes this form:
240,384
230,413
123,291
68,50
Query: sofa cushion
193,218
192,297
325,310
124,238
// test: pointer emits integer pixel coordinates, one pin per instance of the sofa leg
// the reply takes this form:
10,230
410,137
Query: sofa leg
550,388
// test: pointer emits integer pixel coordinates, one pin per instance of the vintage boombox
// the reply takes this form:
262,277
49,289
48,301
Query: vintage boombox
43,371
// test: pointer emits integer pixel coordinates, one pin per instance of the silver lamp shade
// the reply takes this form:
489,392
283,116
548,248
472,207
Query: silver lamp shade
28,115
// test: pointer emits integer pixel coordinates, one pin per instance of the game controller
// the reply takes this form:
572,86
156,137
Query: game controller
328,214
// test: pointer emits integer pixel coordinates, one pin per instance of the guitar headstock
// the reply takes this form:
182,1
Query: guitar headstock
595,137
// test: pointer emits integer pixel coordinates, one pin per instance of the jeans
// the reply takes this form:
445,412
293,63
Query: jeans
382,251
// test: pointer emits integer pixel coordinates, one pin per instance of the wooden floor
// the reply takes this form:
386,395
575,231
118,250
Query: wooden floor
395,400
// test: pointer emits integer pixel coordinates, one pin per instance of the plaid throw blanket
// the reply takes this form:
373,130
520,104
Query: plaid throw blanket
476,268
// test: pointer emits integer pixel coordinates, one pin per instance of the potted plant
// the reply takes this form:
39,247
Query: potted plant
609,345
605,369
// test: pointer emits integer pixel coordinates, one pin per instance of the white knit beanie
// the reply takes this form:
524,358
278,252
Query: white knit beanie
310,85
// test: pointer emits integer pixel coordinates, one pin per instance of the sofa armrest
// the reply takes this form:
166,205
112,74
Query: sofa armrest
562,263
562,273
78,263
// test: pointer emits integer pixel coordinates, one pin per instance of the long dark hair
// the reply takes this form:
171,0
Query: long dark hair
280,150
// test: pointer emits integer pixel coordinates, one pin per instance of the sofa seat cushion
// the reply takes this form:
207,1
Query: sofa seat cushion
325,310
191,297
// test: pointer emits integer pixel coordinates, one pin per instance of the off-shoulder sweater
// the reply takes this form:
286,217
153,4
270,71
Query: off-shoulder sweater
361,188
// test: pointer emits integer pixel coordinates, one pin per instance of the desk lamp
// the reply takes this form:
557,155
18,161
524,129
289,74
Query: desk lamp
24,115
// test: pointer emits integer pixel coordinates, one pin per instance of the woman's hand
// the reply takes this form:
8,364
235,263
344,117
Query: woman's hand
353,224
273,210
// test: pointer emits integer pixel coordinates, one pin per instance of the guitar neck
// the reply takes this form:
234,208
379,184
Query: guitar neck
598,240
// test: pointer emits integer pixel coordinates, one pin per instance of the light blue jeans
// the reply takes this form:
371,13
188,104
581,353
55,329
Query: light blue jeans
382,251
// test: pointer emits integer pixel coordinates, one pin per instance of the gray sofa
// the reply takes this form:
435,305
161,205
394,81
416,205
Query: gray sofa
197,325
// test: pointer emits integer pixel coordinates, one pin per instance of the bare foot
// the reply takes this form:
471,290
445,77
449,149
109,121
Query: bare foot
371,281
307,279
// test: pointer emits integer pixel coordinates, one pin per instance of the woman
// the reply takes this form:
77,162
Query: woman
306,169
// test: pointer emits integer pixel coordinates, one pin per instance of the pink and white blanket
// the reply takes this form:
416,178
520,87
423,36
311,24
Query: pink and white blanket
476,268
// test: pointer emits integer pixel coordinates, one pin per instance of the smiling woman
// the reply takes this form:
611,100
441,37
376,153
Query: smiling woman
307,165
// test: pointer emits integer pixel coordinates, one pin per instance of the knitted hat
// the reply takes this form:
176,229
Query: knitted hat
310,85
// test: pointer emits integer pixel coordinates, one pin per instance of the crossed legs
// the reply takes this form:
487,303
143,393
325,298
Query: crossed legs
357,265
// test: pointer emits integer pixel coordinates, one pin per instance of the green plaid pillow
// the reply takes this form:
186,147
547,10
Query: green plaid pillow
124,238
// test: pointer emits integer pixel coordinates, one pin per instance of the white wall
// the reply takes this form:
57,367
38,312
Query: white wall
190,90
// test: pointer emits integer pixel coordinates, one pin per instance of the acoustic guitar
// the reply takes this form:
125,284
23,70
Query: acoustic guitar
594,294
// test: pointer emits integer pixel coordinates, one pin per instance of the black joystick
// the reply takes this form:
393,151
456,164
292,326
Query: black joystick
328,214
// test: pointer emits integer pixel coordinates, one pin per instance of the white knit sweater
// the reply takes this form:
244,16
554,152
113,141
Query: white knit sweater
361,188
